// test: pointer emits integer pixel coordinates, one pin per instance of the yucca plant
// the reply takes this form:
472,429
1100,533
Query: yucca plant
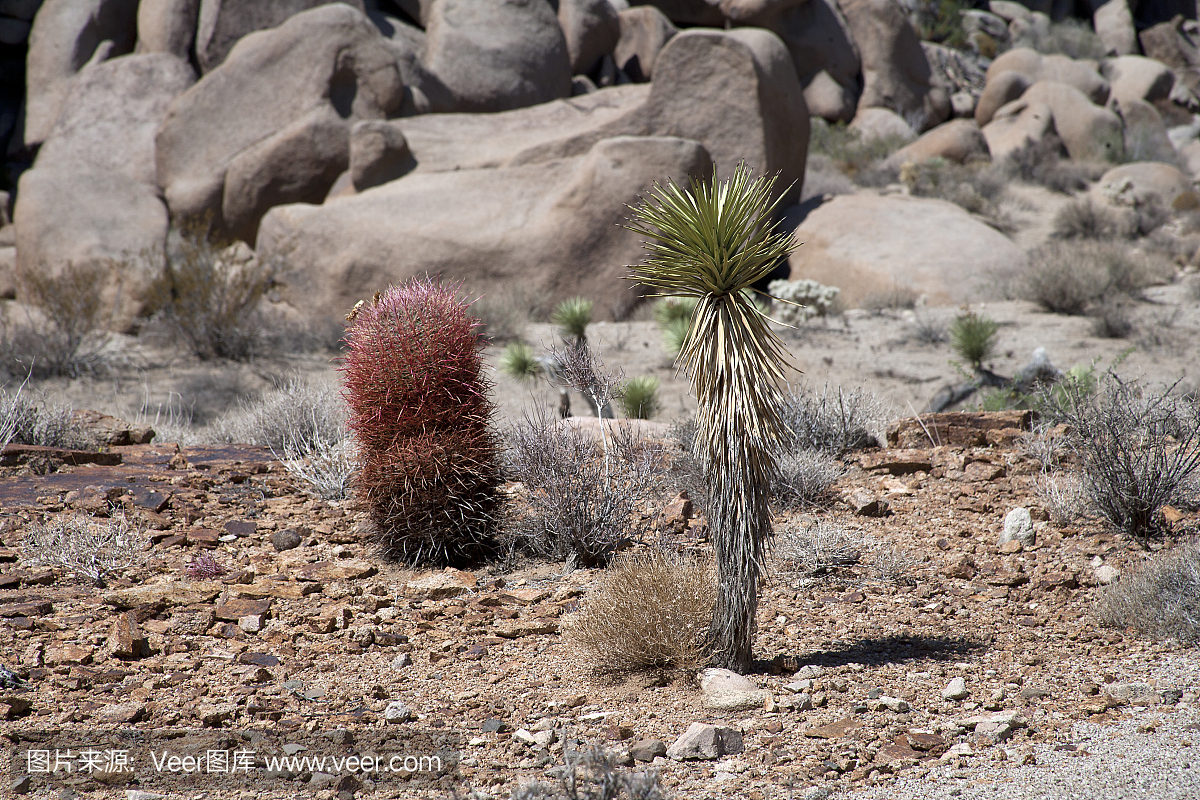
709,242
573,316
639,397
974,338
674,333
672,309
518,362
420,411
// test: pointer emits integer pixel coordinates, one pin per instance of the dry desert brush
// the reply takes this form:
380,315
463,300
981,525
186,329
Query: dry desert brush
710,242
64,335
593,775
649,610
1161,600
584,494
421,415
1139,450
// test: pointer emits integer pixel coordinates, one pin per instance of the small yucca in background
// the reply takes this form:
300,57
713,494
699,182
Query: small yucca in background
573,316
420,410
639,397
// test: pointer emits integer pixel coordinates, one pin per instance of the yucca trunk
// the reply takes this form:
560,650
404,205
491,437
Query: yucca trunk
711,243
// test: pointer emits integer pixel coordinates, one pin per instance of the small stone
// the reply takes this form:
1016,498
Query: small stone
834,730
441,585
492,725
242,528
715,681
126,640
1034,692
737,700
21,785
213,715
401,661
1018,527
286,539
1134,694
706,742
251,623
867,504
1105,574
397,712
962,567
892,704
956,689
647,750
122,713
808,672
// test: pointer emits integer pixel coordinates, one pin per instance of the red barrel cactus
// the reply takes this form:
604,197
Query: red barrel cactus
420,410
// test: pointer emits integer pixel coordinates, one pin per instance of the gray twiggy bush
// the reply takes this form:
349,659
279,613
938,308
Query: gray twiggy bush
29,418
584,495
834,420
65,336
593,775
1161,600
802,300
649,610
805,477
88,547
1139,450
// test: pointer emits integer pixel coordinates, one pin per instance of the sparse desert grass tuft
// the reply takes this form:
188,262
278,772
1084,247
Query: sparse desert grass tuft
29,417
1071,37
88,547
648,610
929,329
824,549
299,417
1063,497
835,420
897,298
506,313
1161,600
805,478
847,150
1111,319
978,187
593,775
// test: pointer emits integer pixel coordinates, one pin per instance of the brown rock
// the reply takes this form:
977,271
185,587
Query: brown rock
13,707
866,504
834,730
983,471
69,654
954,428
126,639
122,713
962,567
175,593
340,570
441,585
235,608
1001,89
515,629
897,462
35,608
958,140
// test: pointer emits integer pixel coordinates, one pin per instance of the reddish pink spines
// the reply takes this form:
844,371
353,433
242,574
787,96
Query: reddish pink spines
420,409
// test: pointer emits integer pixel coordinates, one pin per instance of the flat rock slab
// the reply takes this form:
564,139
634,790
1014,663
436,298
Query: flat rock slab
897,462
957,429
706,742
733,700
172,594
343,570
441,585
237,607
834,730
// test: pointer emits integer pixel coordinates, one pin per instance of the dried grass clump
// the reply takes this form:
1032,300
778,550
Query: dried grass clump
649,610
1083,218
1063,497
584,495
421,415
1043,163
1162,600
819,548
88,547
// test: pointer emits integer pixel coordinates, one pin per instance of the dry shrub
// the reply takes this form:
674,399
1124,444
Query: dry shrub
819,548
593,775
977,187
648,610
584,495
1069,277
28,418
805,478
835,420
1042,163
506,312
1111,318
1083,218
896,298
88,547
66,335
1161,600
421,415
1139,450
209,295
